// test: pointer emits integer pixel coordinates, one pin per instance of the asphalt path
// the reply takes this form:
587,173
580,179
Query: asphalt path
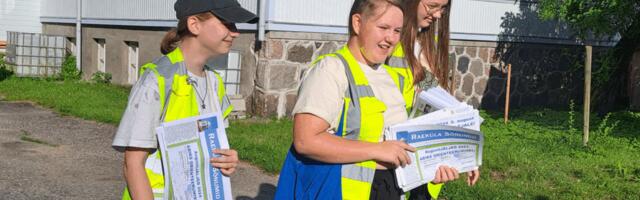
44,155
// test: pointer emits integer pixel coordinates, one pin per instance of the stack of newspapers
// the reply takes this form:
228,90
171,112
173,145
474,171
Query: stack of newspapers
448,133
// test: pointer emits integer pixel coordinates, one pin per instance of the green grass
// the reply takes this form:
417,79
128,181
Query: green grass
538,155
99,102
263,143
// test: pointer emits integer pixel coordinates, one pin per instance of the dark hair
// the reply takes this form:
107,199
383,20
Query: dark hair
175,35
366,8
434,47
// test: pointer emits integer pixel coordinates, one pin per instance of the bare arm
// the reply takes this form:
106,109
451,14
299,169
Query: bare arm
135,174
311,139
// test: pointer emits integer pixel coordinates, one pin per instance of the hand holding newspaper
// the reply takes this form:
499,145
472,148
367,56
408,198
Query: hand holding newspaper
448,136
186,146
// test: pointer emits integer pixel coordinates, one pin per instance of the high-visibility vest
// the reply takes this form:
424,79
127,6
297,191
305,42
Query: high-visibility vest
178,101
399,63
362,119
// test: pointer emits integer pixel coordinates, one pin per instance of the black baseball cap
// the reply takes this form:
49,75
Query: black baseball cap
226,10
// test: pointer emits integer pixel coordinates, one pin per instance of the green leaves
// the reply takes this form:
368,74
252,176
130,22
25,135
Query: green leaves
599,18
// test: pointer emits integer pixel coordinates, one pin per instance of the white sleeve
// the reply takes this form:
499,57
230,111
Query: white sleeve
141,117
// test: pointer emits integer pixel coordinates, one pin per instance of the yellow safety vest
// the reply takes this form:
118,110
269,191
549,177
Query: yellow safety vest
180,103
362,119
399,63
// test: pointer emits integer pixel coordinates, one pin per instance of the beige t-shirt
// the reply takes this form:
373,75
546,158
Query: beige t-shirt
323,88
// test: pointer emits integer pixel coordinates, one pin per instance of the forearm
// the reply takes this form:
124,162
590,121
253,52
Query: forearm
136,175
329,148
138,183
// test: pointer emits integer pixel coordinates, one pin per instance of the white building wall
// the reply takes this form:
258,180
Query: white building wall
482,20
120,9
493,20
19,15
59,8
310,12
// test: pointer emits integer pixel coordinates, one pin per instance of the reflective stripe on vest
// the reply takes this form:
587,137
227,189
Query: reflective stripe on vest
360,106
180,103
399,64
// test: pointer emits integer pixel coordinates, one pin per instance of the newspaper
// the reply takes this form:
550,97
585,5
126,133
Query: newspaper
431,100
449,135
186,146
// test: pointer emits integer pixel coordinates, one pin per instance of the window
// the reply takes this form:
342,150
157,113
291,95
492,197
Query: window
101,57
132,64
71,45
229,68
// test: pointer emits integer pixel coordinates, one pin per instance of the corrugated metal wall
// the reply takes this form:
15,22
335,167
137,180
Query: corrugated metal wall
482,17
470,19
501,17
316,12
59,8
128,9
120,9
251,5
19,15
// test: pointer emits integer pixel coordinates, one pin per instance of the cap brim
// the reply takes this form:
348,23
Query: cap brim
236,14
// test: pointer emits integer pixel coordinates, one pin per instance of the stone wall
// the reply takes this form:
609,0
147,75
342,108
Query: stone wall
542,74
282,60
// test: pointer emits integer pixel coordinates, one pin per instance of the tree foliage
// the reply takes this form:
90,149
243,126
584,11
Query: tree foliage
594,17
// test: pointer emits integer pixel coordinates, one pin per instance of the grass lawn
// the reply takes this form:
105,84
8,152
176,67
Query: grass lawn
99,102
538,155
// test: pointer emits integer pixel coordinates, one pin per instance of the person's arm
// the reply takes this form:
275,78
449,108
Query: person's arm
311,139
135,174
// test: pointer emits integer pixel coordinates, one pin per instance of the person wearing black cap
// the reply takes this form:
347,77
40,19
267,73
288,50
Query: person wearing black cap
176,86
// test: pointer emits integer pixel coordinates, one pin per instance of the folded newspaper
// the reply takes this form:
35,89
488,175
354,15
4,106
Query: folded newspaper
186,146
449,135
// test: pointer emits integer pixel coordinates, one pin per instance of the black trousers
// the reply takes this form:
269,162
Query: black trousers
420,193
385,186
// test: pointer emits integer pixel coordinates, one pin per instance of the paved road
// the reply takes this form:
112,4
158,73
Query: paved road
44,155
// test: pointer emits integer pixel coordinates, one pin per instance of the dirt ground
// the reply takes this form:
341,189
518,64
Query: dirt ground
44,155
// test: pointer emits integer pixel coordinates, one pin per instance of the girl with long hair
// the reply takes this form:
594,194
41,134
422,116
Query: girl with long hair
424,52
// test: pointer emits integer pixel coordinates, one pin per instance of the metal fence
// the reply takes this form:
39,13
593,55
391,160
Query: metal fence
35,55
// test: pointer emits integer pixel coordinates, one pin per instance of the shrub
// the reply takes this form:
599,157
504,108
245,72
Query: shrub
101,77
69,72
4,69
